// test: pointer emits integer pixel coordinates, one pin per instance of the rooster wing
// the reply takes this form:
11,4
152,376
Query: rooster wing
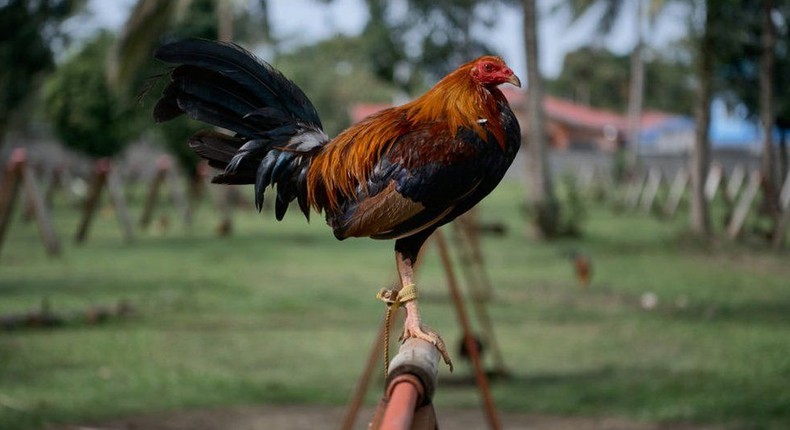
426,178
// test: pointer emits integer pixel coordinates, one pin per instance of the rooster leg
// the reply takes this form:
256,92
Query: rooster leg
412,326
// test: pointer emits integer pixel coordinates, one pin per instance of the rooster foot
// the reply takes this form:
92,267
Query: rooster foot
421,331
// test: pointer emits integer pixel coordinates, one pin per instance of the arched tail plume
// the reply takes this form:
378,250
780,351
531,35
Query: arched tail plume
276,129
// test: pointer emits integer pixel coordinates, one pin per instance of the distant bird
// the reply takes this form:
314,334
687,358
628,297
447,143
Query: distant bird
399,174
582,267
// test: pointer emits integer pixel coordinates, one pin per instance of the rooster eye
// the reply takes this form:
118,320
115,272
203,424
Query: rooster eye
488,67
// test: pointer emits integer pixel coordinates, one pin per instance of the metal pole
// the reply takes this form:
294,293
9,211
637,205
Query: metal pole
411,383
363,382
471,345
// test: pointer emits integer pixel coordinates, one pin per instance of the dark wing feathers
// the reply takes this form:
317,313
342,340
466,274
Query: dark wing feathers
426,179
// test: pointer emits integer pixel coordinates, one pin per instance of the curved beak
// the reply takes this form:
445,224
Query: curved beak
514,80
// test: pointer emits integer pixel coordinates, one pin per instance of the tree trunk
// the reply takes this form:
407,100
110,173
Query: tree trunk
225,20
783,161
700,156
636,92
538,171
768,43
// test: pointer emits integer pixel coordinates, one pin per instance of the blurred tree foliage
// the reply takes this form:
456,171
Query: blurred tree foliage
85,114
413,39
600,78
91,117
335,74
753,58
27,29
201,20
739,51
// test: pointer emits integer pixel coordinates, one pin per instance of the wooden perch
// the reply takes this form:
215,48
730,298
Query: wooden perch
411,383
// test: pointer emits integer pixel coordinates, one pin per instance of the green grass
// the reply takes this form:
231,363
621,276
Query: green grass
284,313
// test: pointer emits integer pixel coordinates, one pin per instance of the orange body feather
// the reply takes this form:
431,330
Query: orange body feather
347,162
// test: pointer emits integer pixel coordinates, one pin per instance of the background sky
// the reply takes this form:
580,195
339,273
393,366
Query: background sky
299,22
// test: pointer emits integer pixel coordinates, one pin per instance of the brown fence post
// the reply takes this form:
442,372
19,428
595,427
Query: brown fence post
676,191
784,218
39,210
98,180
17,171
115,190
163,164
9,188
744,205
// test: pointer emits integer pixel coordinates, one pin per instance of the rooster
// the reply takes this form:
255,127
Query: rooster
399,174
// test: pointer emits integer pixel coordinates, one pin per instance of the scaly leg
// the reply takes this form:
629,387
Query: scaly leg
412,326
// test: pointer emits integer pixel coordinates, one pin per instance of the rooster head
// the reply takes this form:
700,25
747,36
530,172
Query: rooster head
492,71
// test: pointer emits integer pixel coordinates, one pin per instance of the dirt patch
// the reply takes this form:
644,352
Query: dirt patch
326,417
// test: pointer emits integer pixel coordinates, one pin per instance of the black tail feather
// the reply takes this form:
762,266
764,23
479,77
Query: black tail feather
277,128
258,77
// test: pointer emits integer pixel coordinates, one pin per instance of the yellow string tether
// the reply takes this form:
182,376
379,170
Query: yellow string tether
393,298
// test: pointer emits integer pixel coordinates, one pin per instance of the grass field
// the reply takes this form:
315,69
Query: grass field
285,314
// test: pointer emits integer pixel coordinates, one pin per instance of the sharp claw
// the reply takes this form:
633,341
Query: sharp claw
430,335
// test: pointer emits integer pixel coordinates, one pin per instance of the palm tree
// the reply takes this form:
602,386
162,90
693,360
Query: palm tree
636,93
613,10
542,191
147,23
150,20
767,111
700,156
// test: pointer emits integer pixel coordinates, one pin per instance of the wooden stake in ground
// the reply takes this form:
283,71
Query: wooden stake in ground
363,383
165,174
478,285
163,164
101,178
676,191
196,190
734,183
633,191
469,341
179,195
115,190
651,189
784,219
224,203
744,205
17,171
713,181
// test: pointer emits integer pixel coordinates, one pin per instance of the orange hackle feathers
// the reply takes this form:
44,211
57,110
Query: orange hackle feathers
457,101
